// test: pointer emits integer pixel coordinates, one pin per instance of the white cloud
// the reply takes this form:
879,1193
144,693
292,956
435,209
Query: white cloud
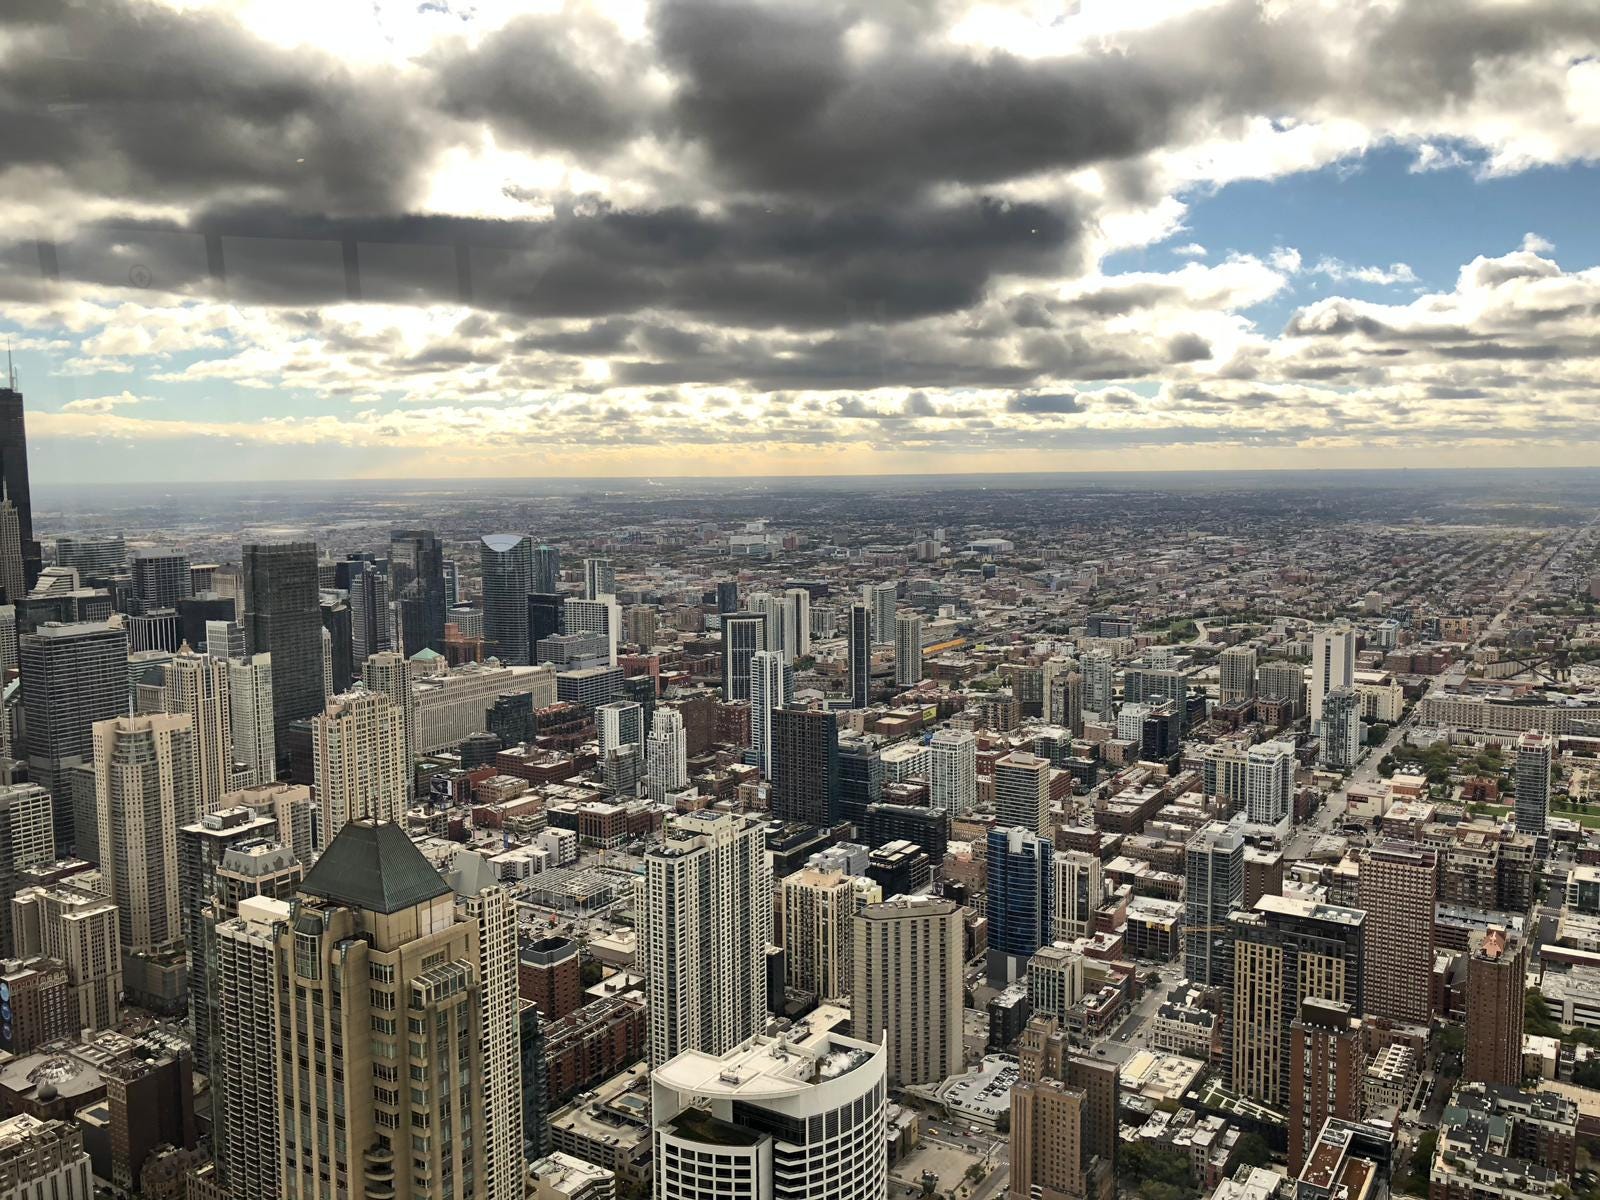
1343,272
100,404
1190,250
1535,244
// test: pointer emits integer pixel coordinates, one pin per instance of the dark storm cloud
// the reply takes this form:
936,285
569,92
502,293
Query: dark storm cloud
564,81
134,100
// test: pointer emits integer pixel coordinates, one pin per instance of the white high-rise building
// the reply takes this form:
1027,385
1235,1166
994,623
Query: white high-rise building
1535,752
771,688
27,837
777,624
706,909
358,758
601,615
225,639
486,906
666,756
907,986
146,782
621,724
880,601
1079,890
798,602
198,685
1333,665
1269,783
8,637
1236,679
1099,684
1022,793
327,662
953,771
250,719
800,1117
907,649
391,673
246,948
599,578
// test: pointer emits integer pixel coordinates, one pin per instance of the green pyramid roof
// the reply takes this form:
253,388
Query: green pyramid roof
375,866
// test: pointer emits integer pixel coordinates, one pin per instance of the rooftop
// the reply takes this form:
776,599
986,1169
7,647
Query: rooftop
373,865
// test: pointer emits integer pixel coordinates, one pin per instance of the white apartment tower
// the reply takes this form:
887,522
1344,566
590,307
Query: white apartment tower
250,719
1269,783
145,778
198,685
1022,793
1079,889
666,757
880,600
706,908
358,757
771,688
953,771
1333,665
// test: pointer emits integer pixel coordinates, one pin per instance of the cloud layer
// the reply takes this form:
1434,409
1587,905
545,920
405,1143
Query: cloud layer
698,222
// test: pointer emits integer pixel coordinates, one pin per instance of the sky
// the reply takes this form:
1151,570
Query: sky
277,239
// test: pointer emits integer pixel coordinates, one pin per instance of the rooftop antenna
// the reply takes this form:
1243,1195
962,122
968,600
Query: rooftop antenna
11,371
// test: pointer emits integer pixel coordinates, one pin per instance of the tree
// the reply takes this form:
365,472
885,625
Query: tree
1449,1039
1416,1177
1254,1151
1587,1073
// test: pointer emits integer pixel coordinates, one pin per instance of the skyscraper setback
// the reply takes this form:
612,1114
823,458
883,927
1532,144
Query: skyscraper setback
14,476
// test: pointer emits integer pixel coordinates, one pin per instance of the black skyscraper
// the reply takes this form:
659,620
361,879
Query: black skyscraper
546,569
805,766
283,617
336,620
728,596
860,651
544,615
416,582
507,563
14,470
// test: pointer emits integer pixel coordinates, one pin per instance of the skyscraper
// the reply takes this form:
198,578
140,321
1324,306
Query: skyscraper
1282,681
146,777
546,570
507,566
283,617
706,908
1341,729
601,615
1079,890
818,910
1213,878
201,846
250,718
340,644
742,635
805,765
358,748
73,676
859,648
907,650
1333,665
371,621
1283,950
416,583
621,725
797,616
1534,754
953,771
1099,683
1237,673
794,1118
390,674
93,557
1397,888
197,684
245,1076
879,598
1497,973
666,756
1019,904
907,983
1063,1140
771,688
727,597
599,578
1022,792
1269,783
1327,1066
79,928
373,909
14,475
161,578
13,572
27,836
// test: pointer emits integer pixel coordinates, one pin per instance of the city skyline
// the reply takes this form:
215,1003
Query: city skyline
998,239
